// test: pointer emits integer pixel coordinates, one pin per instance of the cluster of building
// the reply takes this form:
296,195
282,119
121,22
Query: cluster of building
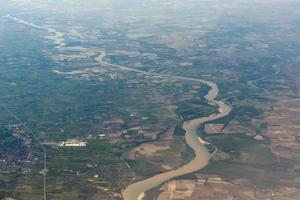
72,143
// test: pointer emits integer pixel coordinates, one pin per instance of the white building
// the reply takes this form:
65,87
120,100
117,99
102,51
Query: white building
72,143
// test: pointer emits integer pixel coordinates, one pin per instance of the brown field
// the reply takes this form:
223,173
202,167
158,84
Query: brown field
212,187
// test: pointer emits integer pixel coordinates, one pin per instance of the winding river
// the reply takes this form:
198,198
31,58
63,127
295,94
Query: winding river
137,190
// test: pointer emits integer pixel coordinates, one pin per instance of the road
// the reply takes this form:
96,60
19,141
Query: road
45,172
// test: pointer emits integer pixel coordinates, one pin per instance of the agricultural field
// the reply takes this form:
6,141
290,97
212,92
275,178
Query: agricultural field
96,96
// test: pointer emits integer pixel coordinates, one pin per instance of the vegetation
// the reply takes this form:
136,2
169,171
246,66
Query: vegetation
11,147
63,93
194,109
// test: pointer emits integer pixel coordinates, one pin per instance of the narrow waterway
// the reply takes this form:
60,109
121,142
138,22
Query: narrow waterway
253,83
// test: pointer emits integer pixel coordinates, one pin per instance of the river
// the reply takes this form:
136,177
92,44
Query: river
137,190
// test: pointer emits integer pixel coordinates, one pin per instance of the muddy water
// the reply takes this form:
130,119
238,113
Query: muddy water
136,190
